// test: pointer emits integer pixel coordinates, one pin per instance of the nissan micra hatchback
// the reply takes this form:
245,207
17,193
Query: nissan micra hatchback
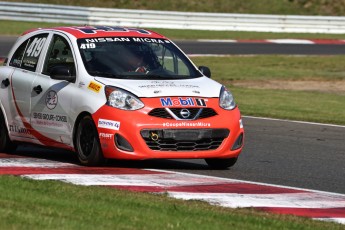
114,92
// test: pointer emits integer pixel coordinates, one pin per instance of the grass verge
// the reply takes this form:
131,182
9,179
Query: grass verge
314,105
17,27
279,67
28,204
285,104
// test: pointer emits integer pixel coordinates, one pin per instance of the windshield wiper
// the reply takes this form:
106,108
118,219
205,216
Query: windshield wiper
154,76
104,74
168,77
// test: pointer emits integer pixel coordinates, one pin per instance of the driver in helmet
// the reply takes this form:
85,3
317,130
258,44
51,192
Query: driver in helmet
135,59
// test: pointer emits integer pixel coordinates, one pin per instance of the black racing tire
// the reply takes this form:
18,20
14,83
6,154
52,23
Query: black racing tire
221,163
6,145
87,143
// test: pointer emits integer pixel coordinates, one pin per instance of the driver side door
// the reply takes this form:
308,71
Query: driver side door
51,102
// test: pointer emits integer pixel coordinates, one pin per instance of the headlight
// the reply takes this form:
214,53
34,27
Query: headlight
121,99
226,100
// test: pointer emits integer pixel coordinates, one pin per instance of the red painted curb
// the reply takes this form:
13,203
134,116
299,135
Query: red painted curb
241,188
328,41
220,191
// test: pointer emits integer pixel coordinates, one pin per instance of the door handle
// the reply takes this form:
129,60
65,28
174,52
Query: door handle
6,82
38,89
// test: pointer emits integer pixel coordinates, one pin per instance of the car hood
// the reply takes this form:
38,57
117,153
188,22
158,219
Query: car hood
196,87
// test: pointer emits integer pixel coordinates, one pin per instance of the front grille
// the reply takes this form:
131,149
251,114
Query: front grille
195,113
206,113
172,145
184,139
160,112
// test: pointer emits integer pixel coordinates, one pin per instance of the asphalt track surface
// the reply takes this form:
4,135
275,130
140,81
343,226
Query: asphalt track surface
277,152
223,48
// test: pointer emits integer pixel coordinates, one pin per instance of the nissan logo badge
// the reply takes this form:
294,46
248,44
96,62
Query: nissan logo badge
185,113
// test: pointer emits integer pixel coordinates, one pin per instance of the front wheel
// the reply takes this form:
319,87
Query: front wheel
219,163
87,143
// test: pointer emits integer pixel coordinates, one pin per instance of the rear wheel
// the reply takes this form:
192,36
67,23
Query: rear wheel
6,145
87,143
220,163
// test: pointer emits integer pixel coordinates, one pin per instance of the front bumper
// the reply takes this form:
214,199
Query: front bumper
141,136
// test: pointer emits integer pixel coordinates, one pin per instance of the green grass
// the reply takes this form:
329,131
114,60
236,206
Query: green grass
18,27
299,7
281,67
205,34
292,105
28,204
287,104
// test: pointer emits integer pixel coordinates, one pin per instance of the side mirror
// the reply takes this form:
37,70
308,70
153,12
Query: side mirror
62,72
205,71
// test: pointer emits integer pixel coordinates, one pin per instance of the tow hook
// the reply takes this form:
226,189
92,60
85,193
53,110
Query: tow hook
154,136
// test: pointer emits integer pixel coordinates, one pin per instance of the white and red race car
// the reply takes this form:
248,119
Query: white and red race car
114,92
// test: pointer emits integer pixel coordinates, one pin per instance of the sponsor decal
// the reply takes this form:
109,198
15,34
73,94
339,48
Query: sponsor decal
50,117
49,120
116,39
90,42
169,84
17,129
35,47
150,40
187,124
17,62
51,99
108,124
94,86
200,102
87,46
106,136
188,101
29,63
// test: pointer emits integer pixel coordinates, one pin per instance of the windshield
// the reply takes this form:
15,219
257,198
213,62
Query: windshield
135,58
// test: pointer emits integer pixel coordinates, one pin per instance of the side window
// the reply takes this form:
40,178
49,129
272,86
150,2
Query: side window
59,54
170,61
28,53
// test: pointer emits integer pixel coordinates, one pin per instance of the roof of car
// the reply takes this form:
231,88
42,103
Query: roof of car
102,31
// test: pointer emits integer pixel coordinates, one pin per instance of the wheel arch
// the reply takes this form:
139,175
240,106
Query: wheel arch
4,115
